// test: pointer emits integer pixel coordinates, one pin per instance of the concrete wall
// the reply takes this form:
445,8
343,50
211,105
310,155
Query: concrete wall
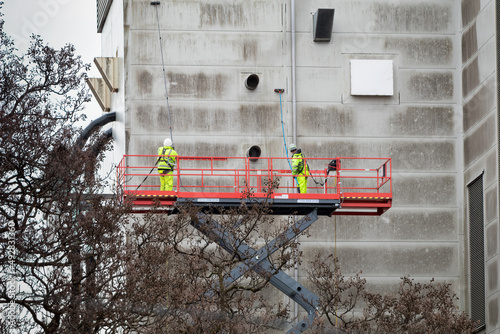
112,45
209,51
211,47
480,134
418,127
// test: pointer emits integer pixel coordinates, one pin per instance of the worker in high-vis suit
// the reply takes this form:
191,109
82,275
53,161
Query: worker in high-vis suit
300,169
167,159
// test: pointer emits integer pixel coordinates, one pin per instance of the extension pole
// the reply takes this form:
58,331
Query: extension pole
156,3
281,91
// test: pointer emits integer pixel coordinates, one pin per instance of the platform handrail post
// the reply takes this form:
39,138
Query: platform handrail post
247,172
178,172
390,174
270,172
337,179
237,181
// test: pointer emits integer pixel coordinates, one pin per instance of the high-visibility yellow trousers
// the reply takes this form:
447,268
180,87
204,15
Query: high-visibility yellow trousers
302,181
167,180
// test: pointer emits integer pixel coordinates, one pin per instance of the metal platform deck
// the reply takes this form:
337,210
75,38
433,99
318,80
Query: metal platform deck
358,186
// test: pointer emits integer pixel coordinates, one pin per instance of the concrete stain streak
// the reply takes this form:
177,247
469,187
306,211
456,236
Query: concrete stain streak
223,15
412,17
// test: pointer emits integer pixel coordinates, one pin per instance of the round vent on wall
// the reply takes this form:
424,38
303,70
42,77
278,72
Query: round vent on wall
252,81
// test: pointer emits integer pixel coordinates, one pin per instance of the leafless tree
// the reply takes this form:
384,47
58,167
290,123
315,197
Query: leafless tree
80,264
184,271
60,239
348,306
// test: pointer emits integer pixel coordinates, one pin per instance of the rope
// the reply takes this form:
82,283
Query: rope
156,3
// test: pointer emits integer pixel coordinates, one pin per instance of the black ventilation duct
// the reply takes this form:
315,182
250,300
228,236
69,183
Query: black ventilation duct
94,125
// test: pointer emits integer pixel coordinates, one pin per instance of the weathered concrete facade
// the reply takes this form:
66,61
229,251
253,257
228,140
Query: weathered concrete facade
439,126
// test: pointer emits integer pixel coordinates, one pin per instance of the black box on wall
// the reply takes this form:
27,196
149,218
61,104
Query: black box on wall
323,24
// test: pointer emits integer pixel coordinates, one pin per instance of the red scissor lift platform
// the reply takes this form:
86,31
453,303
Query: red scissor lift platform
358,186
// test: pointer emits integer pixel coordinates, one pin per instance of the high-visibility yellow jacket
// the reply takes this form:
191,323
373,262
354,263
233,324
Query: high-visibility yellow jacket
299,165
166,163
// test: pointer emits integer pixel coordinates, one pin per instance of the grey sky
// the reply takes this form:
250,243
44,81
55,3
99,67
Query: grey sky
58,22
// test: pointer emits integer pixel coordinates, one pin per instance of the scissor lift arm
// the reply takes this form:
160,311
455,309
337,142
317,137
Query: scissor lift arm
258,261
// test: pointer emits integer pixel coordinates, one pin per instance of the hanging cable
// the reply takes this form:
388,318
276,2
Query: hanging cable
316,182
156,3
151,171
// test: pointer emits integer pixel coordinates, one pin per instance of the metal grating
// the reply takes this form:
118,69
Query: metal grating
476,249
102,12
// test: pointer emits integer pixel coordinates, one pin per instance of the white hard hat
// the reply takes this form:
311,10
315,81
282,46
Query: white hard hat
167,142
293,147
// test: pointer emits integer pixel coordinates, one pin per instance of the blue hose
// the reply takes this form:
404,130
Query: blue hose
284,140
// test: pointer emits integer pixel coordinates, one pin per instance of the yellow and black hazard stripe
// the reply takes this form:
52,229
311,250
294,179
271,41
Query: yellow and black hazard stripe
367,198
170,196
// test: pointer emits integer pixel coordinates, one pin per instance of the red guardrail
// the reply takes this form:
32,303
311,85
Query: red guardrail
213,175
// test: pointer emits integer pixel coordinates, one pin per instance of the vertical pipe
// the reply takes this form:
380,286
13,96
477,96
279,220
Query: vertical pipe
294,86
294,118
